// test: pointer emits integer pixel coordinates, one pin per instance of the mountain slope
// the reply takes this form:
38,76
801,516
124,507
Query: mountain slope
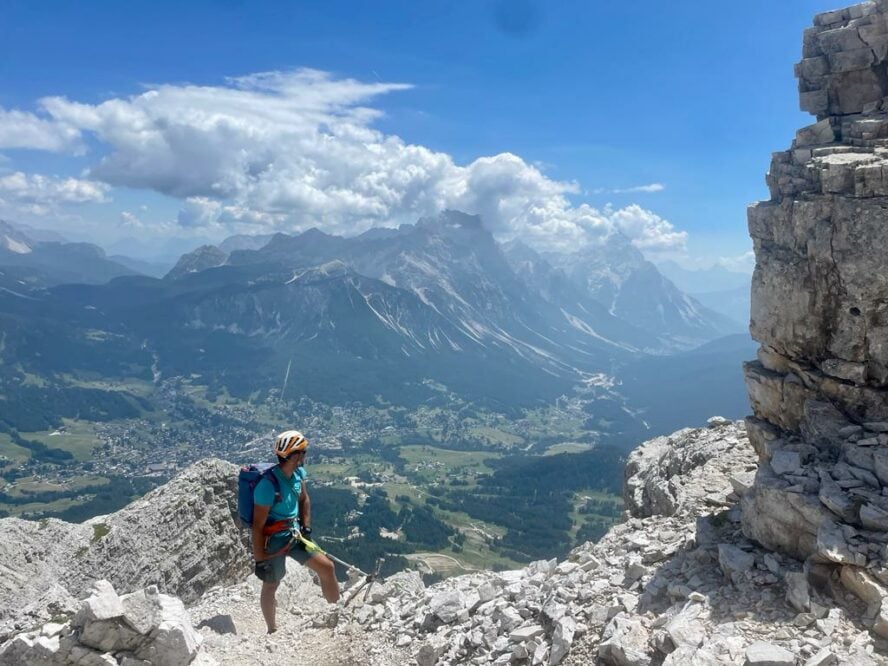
732,303
714,278
204,257
669,392
181,537
616,274
56,262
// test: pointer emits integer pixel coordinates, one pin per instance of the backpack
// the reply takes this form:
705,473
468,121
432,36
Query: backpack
247,479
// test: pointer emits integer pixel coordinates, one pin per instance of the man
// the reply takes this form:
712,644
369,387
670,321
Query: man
278,519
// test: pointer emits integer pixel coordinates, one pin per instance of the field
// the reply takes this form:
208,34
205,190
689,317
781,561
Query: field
12,451
430,464
568,447
441,564
77,437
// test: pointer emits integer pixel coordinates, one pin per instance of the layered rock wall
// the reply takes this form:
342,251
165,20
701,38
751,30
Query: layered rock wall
819,389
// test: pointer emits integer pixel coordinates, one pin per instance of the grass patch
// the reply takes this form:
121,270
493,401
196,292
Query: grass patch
132,385
497,437
592,513
77,437
30,484
100,530
14,452
431,463
35,509
568,447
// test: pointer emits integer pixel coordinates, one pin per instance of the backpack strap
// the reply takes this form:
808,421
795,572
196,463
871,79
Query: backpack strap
272,527
275,483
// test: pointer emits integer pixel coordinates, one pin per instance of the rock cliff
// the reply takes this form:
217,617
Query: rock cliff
819,389
181,537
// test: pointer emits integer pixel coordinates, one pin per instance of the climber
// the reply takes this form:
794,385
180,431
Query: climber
279,518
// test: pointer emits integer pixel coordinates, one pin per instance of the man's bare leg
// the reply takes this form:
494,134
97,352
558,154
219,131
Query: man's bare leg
269,605
326,571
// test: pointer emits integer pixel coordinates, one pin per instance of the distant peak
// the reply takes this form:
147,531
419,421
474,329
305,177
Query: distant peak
200,259
326,271
452,219
314,232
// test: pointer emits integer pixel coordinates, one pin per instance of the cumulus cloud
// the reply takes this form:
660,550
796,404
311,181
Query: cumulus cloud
647,230
288,150
19,129
42,193
742,263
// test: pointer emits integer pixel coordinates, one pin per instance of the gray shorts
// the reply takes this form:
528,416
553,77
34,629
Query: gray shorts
273,570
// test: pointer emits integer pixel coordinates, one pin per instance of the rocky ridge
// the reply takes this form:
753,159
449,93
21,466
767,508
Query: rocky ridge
676,583
182,537
819,389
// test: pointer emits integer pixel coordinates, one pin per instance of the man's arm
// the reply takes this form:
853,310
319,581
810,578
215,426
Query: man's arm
260,515
304,507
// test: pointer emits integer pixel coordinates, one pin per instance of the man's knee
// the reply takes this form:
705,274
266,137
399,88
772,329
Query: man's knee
322,566
270,588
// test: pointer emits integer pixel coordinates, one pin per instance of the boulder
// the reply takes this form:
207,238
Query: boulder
625,643
762,653
733,561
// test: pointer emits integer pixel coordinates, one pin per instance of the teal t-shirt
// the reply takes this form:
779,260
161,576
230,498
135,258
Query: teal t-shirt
288,507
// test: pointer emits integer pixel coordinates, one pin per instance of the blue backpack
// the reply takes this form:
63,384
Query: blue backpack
247,479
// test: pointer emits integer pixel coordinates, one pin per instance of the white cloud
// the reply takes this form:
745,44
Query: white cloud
742,263
643,189
650,188
289,150
130,220
19,129
647,230
41,193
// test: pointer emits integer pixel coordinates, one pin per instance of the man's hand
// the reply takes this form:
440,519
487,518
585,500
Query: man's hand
305,531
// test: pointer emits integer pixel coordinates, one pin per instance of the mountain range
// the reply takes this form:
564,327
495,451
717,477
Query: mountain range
390,315
32,262
724,291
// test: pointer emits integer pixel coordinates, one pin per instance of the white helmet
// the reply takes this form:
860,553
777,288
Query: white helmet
289,441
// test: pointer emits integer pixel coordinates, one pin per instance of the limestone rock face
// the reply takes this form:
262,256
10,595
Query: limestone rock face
138,628
664,476
182,537
819,388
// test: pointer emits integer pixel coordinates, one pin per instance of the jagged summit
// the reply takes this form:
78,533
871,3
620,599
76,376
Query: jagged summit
204,257
452,219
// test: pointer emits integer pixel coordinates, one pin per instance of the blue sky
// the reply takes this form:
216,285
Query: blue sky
688,98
